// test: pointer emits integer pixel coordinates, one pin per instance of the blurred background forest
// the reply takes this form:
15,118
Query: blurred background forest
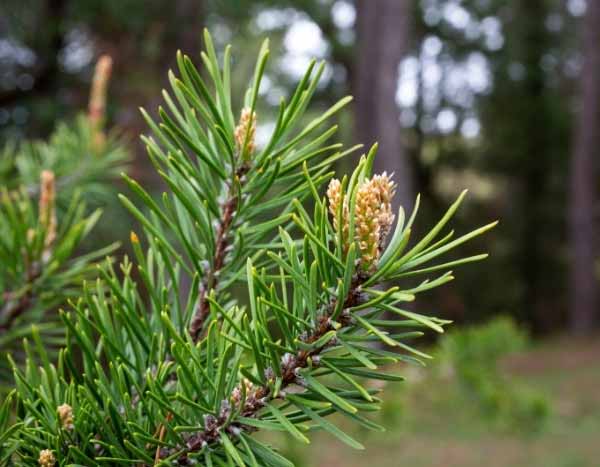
501,97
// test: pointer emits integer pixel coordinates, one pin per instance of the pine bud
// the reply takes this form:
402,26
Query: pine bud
269,374
210,422
236,395
46,458
65,414
386,189
288,360
334,195
245,132
225,411
373,217
97,104
248,385
47,206
367,229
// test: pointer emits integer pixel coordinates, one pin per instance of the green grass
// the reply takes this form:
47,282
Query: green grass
430,423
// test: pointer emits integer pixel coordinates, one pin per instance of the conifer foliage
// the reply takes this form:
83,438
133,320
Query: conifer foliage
180,368
44,216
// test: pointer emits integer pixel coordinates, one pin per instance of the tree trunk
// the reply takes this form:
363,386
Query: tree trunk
534,44
382,41
583,295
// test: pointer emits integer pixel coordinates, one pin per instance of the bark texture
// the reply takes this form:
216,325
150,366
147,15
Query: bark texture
583,191
382,28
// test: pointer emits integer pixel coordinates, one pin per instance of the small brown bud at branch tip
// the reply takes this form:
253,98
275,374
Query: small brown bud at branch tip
65,414
46,458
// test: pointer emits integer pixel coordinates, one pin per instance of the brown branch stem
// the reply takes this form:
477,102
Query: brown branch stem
15,305
211,277
257,398
13,308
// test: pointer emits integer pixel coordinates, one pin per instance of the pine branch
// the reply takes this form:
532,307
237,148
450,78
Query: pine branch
13,308
211,278
154,376
42,267
81,154
16,304
259,397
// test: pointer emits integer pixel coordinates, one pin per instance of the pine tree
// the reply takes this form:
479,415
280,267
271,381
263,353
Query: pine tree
44,217
179,367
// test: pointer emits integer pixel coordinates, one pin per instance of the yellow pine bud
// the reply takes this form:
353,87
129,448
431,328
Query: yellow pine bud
46,458
97,103
367,230
386,189
245,132
47,206
334,196
373,217
65,414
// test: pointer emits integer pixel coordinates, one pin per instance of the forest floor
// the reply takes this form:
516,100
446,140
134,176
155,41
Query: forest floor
428,427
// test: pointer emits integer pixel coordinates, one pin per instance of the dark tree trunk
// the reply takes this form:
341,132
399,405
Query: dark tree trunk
184,34
583,190
536,159
382,41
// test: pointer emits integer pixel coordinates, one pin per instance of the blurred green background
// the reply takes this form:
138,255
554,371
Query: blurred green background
501,97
